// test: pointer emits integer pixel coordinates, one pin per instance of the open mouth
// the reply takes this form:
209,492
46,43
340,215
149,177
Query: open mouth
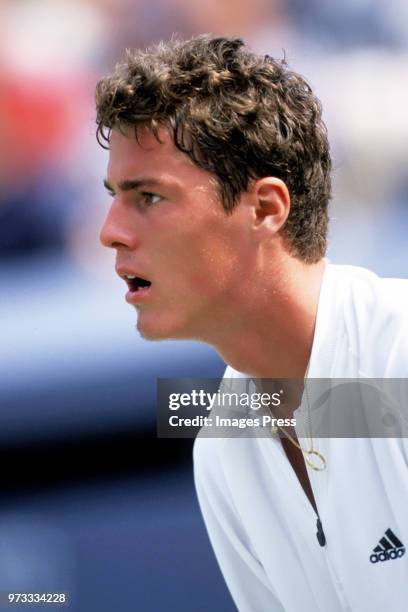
137,283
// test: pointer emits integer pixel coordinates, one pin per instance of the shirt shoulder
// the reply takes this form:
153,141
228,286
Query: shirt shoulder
207,462
376,321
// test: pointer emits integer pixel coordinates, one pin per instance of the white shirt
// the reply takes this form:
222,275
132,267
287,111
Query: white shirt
259,520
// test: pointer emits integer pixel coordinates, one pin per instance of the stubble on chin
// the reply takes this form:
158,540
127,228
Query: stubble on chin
148,333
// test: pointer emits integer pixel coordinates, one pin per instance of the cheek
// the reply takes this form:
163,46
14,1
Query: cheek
214,269
202,257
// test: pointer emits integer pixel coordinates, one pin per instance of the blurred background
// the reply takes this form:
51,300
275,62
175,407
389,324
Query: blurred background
91,502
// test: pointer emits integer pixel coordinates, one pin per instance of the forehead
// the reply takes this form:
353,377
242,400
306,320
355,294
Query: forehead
130,157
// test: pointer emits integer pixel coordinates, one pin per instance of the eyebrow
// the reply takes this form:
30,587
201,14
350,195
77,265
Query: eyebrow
131,184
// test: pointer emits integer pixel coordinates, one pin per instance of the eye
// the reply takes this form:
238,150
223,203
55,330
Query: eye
109,192
151,198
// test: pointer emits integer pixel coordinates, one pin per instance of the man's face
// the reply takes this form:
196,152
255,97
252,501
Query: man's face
168,227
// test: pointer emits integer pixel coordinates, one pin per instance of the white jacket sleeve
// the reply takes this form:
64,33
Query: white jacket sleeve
244,575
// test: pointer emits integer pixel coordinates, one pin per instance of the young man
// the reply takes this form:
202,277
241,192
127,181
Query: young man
219,170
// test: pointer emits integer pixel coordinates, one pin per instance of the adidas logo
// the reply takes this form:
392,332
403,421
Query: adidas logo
389,547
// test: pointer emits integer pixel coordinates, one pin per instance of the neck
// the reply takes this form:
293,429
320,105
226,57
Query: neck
272,336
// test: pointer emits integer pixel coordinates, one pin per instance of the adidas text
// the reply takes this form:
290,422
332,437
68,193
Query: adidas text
387,554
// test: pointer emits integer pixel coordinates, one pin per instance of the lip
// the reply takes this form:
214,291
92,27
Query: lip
135,297
122,272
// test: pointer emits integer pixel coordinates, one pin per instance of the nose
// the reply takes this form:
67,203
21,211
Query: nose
117,231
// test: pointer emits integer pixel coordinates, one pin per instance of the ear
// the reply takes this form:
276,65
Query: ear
272,203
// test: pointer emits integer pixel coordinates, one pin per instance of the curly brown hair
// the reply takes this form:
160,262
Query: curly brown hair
238,115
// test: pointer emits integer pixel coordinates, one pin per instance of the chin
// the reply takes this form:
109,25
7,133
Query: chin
162,330
151,333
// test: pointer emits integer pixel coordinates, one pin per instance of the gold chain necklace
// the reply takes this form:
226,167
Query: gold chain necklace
319,467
